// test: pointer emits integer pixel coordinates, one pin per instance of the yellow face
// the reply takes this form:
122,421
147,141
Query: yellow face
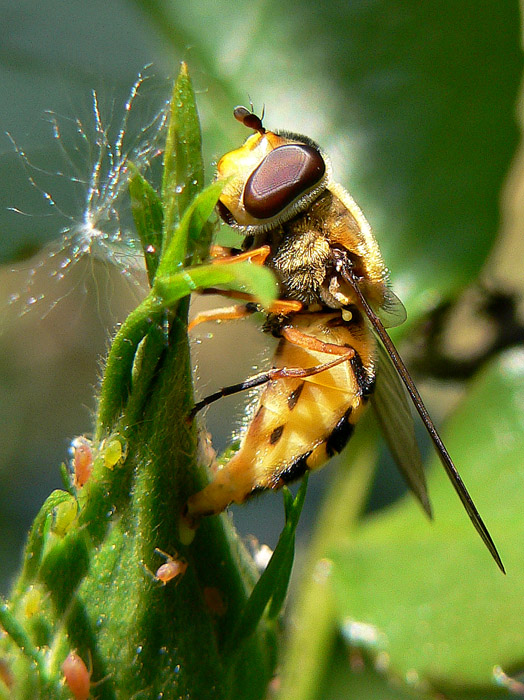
271,177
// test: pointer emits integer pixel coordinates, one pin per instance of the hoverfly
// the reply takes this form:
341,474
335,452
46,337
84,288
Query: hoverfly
334,353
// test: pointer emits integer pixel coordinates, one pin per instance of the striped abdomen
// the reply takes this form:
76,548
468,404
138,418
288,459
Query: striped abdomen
299,423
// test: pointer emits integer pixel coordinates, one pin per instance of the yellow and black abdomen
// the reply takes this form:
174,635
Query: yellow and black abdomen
298,423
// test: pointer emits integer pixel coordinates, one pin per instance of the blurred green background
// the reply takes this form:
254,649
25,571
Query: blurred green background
414,102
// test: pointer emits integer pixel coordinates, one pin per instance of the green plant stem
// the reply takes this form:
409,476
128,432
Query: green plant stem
117,376
19,635
313,634
88,580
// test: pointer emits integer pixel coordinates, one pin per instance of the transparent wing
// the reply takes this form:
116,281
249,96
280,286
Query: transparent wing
345,268
391,403
392,312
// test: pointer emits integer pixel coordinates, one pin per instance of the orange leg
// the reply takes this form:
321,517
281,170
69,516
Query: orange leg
226,313
231,313
279,306
299,372
220,251
292,335
257,256
285,306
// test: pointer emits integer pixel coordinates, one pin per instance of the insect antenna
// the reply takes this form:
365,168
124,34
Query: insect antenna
455,478
249,119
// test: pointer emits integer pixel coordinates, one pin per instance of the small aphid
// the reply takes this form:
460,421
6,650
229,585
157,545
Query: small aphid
113,452
77,676
31,601
173,568
64,515
82,463
335,356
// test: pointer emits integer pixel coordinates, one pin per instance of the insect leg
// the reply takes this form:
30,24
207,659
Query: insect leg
272,374
309,342
257,255
226,313
220,251
279,306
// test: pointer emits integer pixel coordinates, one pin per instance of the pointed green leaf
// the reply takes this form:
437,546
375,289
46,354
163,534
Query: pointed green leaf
183,176
245,276
285,551
36,541
273,582
148,217
190,228
117,380
169,288
18,633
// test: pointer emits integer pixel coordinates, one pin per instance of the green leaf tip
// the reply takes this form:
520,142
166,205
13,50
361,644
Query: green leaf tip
187,233
148,216
183,175
273,582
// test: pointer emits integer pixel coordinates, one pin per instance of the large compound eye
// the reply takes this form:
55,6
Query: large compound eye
284,174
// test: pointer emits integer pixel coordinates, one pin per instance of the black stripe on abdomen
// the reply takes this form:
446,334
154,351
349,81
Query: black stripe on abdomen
365,380
294,471
340,435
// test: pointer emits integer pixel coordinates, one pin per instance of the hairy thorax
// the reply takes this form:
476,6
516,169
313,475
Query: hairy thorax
302,253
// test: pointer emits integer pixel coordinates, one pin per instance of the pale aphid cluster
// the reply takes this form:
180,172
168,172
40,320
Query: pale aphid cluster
84,452
96,156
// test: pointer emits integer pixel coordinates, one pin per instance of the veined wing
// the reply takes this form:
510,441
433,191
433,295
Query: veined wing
392,312
346,270
391,403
